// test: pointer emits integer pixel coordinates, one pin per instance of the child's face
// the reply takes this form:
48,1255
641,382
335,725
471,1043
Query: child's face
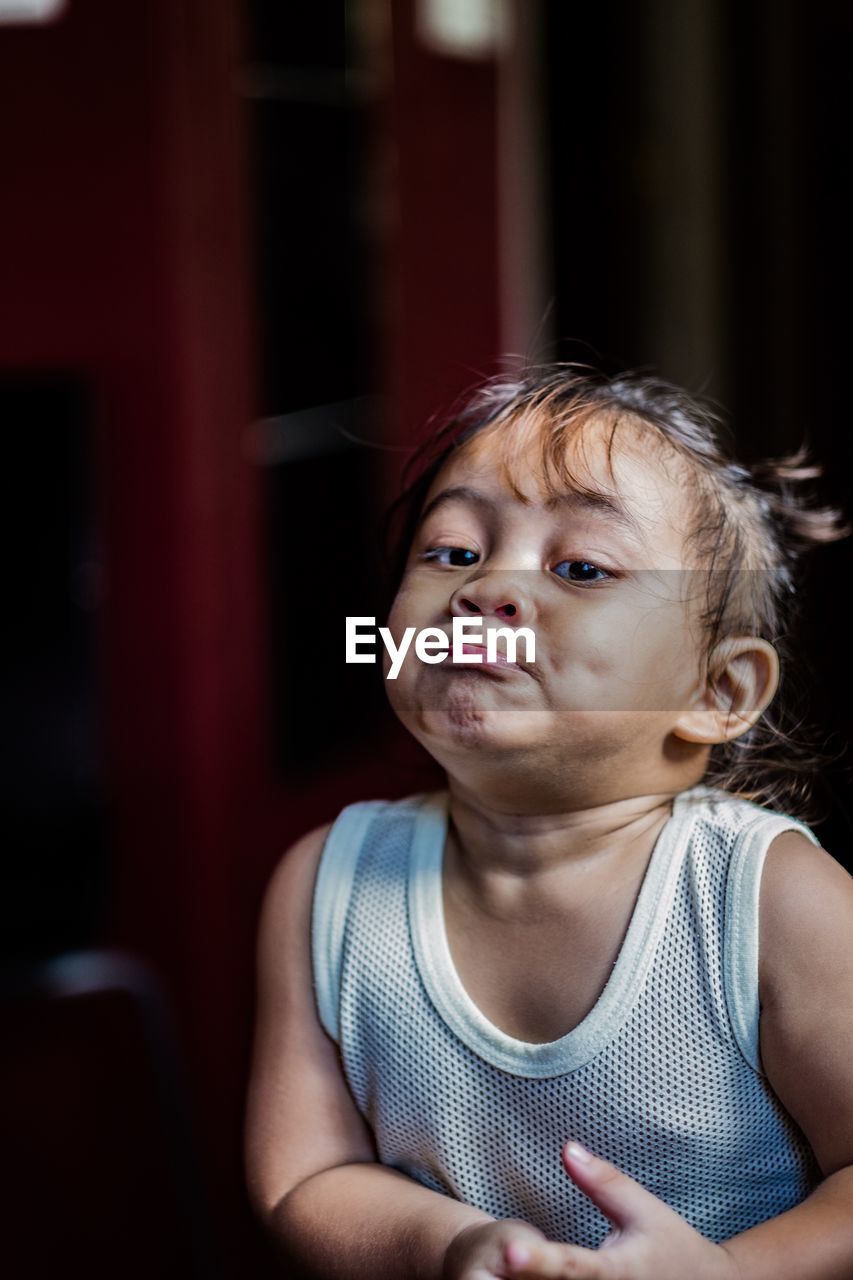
601,584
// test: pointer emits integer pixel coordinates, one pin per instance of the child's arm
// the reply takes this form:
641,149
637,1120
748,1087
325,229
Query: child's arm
313,1175
806,1034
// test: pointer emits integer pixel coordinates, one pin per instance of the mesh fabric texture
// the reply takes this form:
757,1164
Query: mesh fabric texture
662,1077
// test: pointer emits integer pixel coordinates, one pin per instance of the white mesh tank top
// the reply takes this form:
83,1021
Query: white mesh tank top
662,1076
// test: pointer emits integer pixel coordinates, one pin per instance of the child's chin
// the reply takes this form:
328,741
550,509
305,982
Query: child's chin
465,724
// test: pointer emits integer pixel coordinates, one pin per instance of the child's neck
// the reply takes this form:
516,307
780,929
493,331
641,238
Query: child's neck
491,840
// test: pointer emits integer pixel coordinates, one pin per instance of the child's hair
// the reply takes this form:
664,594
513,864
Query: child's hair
758,517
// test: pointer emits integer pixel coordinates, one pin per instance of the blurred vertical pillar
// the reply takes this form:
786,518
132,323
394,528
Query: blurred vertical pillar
444,324
125,264
212,550
187,721
777,246
682,320
525,268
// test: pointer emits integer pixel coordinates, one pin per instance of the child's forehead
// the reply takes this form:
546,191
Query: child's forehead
594,454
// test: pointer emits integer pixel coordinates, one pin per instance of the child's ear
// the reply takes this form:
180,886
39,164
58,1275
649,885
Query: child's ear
743,673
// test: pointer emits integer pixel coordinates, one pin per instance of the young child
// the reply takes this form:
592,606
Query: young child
587,1011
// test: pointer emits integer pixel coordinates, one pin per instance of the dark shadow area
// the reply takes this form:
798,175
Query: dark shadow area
105,1177
57,865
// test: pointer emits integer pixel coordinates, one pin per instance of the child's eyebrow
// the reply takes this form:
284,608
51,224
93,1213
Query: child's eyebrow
589,500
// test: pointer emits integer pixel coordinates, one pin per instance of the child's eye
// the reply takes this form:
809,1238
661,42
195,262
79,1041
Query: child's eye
458,557
580,571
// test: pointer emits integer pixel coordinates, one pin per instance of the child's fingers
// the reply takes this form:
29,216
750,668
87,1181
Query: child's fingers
552,1261
625,1202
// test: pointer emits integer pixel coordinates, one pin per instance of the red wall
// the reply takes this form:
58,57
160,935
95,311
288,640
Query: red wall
125,258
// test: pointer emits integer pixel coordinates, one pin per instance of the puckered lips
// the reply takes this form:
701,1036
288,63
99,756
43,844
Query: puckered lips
500,665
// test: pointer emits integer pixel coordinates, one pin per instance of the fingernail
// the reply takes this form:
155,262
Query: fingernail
579,1153
517,1255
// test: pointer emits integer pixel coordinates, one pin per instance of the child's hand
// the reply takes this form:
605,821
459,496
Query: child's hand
480,1252
649,1241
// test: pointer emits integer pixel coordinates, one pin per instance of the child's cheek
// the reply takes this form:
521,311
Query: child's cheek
401,692
403,611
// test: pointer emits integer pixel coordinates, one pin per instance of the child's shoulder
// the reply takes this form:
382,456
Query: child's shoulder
768,848
338,846
738,815
805,943
754,846
802,886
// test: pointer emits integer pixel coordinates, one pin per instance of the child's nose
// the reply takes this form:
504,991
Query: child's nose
499,599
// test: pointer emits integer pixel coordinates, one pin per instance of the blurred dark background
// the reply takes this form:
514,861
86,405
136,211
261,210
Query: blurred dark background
247,249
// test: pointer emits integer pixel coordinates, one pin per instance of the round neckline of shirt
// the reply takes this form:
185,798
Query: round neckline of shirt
451,999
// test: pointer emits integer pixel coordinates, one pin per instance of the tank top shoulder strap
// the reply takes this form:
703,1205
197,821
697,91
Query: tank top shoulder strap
740,946
332,893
